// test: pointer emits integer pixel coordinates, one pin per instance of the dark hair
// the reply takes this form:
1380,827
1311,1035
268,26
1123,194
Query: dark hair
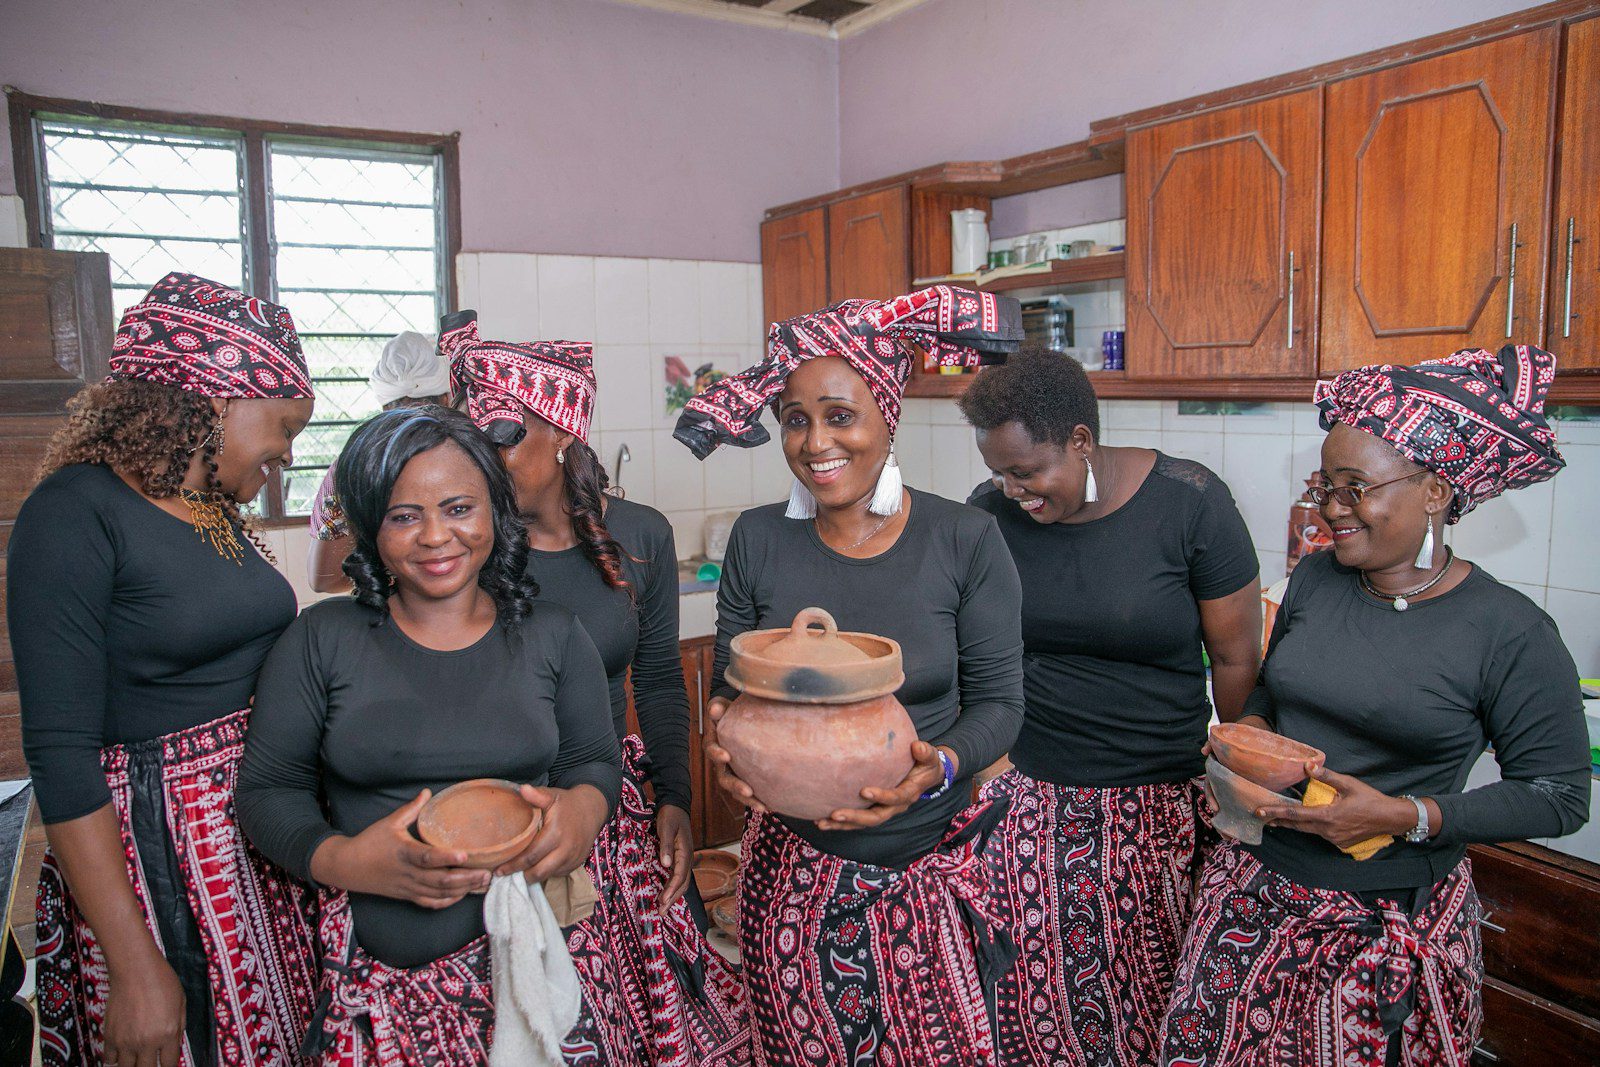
586,483
1047,392
364,479
149,431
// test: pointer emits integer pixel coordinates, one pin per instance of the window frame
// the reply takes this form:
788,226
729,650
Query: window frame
257,135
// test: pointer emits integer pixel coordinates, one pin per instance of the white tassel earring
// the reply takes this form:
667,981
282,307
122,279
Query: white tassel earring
886,498
802,505
1425,556
1091,491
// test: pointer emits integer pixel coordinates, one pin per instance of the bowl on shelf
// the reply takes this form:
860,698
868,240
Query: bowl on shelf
715,872
1261,756
487,818
1237,800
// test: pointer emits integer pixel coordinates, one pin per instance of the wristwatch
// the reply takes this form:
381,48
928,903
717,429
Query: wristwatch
1418,833
949,776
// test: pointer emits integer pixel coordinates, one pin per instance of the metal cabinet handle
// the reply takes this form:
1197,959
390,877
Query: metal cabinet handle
1480,1049
1511,284
700,704
1572,239
1291,300
1487,925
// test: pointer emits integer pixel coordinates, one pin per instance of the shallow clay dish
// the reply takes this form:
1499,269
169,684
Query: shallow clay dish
485,817
1265,758
714,871
1237,800
725,913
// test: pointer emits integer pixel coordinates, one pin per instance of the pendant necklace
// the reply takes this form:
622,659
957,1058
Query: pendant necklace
1401,601
870,535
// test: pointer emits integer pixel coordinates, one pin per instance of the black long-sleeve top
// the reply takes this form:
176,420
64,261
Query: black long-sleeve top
946,590
638,632
353,719
126,625
1408,701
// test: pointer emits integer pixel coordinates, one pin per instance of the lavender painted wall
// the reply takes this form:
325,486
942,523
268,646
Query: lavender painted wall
587,127
986,79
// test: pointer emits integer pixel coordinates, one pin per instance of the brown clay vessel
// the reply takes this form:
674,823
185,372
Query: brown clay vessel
486,818
1263,757
1237,800
725,913
714,872
816,720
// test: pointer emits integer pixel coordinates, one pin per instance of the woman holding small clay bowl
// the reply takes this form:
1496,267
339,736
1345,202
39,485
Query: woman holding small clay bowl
1401,663
441,668
864,935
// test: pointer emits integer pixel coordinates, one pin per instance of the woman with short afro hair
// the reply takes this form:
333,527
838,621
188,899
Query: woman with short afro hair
1132,563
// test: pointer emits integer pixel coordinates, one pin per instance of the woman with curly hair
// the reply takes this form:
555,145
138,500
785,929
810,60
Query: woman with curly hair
1132,563
442,667
612,562
140,618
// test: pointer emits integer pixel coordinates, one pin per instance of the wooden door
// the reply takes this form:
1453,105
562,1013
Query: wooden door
1574,334
869,246
1432,167
723,818
1222,242
794,265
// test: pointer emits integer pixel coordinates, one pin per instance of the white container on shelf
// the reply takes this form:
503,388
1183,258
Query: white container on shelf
969,239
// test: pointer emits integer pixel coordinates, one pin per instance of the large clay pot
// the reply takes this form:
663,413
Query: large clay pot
816,720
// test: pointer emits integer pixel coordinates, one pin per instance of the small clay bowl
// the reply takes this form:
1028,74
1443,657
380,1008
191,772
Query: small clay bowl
1265,758
1237,800
714,871
485,817
725,913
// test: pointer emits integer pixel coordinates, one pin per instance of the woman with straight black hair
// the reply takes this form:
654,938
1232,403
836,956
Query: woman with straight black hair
442,667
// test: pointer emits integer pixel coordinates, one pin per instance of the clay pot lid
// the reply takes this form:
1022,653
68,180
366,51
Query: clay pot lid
487,818
803,665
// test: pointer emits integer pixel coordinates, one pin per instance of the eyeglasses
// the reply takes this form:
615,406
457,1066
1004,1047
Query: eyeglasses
1350,495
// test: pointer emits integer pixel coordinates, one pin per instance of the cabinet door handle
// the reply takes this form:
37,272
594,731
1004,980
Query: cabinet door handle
1487,925
1566,317
1511,283
1480,1049
1291,299
700,704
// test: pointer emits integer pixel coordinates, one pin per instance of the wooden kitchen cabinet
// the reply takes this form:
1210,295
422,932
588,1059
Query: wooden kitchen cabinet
1574,332
869,246
1222,264
794,264
1435,229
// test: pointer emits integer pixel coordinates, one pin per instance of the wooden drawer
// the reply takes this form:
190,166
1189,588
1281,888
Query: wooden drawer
1541,929
1520,1028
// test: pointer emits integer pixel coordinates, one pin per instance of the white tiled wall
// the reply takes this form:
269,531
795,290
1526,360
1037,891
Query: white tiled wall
13,228
1541,539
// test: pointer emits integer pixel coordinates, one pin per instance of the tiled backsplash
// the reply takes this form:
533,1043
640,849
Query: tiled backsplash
1539,539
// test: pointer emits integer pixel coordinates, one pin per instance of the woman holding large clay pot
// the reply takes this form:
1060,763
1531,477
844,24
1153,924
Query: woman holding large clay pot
1401,663
441,668
865,934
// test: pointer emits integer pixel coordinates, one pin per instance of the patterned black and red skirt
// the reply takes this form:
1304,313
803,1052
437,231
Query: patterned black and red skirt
849,964
1095,886
235,929
655,993
1278,973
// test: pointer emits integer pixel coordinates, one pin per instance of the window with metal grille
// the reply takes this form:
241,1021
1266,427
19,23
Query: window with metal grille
353,231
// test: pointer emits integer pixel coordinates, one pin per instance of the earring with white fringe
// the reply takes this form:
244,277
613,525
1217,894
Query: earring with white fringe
886,498
1091,491
802,505
1424,559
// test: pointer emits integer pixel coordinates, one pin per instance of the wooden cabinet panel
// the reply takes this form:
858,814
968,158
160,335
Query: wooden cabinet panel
869,255
1219,206
1431,166
794,265
1539,929
1520,1028
1574,334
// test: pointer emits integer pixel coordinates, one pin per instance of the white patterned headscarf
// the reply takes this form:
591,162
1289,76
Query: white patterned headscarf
410,369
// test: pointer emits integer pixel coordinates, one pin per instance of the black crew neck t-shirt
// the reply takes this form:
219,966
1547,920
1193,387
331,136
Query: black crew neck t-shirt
1115,683
353,719
946,590
126,625
1408,700
638,632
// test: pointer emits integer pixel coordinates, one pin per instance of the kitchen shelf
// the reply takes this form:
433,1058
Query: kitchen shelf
1108,267
1581,389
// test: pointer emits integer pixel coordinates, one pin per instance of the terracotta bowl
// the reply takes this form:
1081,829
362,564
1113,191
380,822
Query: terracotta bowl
714,872
1265,758
725,913
485,817
1237,801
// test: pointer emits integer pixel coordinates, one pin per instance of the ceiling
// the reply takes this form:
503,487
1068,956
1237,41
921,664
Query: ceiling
819,18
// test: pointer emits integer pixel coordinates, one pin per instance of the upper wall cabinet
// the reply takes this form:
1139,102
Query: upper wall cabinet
1222,242
794,264
869,247
1435,225
1574,332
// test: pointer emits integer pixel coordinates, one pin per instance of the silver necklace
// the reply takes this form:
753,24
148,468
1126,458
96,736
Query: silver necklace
873,533
1401,601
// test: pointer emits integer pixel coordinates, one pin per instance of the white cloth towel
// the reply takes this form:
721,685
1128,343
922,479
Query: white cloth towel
410,367
536,994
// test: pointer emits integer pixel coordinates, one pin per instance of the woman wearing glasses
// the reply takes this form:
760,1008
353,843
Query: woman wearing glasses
1402,663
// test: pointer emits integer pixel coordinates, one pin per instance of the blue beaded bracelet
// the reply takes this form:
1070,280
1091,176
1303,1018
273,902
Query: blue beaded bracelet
949,776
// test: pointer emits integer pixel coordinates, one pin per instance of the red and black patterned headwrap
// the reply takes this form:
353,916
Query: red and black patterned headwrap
956,327
1474,418
553,379
205,338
